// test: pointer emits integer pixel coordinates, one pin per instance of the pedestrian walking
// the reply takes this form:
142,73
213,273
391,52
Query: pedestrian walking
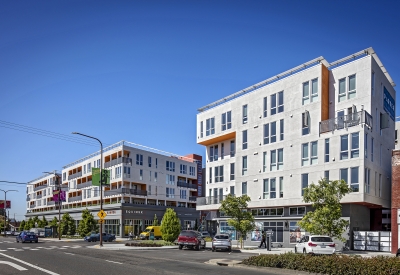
264,237
130,235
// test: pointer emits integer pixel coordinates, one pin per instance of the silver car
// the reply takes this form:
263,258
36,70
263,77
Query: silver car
221,241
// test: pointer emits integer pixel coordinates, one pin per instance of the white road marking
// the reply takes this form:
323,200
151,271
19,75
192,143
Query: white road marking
113,262
18,250
66,246
34,249
69,253
20,268
62,248
26,247
39,247
3,250
11,248
31,265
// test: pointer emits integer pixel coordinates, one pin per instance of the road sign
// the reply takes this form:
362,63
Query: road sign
101,221
101,214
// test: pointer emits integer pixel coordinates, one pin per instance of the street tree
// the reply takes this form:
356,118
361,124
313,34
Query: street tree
155,221
29,224
67,225
325,219
87,224
36,222
241,219
170,226
42,223
22,225
54,222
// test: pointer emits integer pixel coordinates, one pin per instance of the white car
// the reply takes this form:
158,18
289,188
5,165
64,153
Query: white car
315,244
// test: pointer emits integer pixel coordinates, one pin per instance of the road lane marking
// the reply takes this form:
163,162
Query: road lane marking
66,246
11,248
34,249
113,262
62,248
31,265
26,247
20,268
18,250
69,253
3,250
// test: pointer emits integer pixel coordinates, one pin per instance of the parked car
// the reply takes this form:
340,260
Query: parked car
107,237
16,233
94,237
221,241
315,244
398,253
205,234
26,236
191,239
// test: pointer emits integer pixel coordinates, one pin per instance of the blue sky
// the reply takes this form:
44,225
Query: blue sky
139,70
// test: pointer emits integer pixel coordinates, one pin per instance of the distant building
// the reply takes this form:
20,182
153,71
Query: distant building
143,182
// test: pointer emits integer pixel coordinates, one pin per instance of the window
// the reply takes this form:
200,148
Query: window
98,163
314,152
354,179
210,126
304,182
326,175
89,168
183,168
327,150
127,171
297,211
281,130
304,155
342,89
273,161
244,188
149,161
139,159
266,133
273,104
376,183
215,152
276,160
305,123
344,147
351,92
141,174
192,171
266,189
344,175
352,87
210,176
156,163
219,173
182,194
84,169
355,144
264,161
265,107
380,185
211,156
170,179
149,175
170,166
280,102
272,189
273,132
232,190
244,112
244,137
280,187
310,96
226,122
170,192
372,149
201,129
232,171
314,89
222,151
244,165
306,93
280,159
380,155
118,172
64,175
367,183
155,176
232,148
366,145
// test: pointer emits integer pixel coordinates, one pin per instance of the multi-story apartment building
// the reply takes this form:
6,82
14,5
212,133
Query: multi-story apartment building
143,182
318,120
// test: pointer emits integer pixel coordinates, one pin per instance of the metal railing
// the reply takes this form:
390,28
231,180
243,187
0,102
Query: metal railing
210,200
125,191
192,198
39,196
346,121
74,176
39,187
51,203
186,184
77,198
117,161
83,185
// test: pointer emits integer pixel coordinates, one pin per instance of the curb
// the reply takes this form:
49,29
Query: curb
132,247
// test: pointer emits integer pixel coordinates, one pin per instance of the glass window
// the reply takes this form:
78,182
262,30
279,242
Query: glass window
222,151
306,93
354,179
201,129
326,175
216,152
305,118
327,150
232,190
244,188
264,161
281,129
314,152
210,175
281,187
244,138
314,90
223,122
355,144
344,147
372,149
280,159
272,188
366,145
244,165
265,106
266,133
273,132
149,161
304,157
232,171
352,86
344,175
367,173
342,89
244,114
273,104
229,120
207,127
304,182
211,157
232,148
280,102
266,189
212,129
273,161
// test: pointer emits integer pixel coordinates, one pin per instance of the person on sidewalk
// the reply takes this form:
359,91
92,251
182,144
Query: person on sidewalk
130,235
264,237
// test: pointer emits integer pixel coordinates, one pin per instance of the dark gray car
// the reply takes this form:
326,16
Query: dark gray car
221,241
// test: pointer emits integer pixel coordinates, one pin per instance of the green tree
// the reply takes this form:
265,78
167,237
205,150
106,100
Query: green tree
42,223
22,225
241,219
36,222
87,224
54,222
326,217
67,225
155,221
170,226
29,224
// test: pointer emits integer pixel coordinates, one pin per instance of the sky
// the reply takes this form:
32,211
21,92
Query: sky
139,70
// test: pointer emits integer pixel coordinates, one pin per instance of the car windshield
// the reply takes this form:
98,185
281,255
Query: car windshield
147,230
321,239
222,237
187,234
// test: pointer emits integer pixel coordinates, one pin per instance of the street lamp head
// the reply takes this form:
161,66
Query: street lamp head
74,133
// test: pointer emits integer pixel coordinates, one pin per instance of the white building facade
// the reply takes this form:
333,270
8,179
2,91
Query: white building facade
318,120
143,183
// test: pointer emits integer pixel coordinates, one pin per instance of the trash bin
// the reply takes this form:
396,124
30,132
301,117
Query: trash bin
151,237
268,240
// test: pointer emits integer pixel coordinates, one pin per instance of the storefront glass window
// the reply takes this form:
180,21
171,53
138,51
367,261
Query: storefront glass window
296,233
256,235
226,229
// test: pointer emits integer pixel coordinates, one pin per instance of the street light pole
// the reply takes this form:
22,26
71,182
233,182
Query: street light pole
5,206
101,180
58,183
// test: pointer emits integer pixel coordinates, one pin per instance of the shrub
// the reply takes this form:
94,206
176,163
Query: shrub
144,244
329,264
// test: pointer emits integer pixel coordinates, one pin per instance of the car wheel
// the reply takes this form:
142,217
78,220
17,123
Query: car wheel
197,247
229,249
17,241
36,241
30,241
180,247
213,249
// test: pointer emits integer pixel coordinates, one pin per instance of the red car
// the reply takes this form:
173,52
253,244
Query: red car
191,239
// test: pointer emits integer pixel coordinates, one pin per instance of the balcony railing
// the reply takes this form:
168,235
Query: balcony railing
345,121
74,176
210,200
51,203
186,184
83,185
192,198
39,187
39,196
77,198
117,161
125,191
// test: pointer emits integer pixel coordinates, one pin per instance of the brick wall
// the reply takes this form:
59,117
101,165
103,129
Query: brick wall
395,197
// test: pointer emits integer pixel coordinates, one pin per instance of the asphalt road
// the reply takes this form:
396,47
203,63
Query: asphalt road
75,257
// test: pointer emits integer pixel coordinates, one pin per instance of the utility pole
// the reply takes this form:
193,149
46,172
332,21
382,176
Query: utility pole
58,184
4,207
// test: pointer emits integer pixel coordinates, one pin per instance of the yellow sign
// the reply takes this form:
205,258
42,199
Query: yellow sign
101,221
101,214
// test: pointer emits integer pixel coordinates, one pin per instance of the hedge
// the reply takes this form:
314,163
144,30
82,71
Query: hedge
329,264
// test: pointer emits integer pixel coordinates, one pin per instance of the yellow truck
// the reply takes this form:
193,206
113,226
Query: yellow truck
155,230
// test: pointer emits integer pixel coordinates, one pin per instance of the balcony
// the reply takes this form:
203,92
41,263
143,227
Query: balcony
117,161
74,176
39,196
39,187
125,191
77,198
51,203
210,200
346,121
83,185
186,184
192,198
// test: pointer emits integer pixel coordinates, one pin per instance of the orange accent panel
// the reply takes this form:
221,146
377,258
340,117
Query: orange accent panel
218,139
324,93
